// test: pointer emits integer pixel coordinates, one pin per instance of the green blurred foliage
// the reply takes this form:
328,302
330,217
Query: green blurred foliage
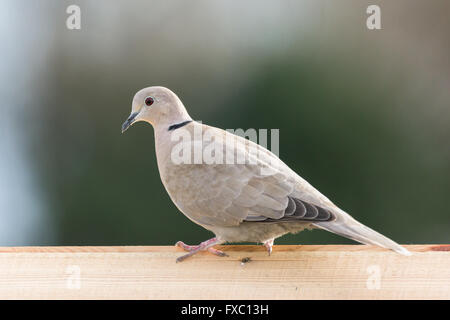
105,187
352,122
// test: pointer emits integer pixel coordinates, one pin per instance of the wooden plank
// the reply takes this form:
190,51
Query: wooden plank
291,272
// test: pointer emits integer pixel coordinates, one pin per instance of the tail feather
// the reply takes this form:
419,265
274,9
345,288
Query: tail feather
348,227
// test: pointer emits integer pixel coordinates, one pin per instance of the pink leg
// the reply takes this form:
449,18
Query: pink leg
205,245
185,246
268,244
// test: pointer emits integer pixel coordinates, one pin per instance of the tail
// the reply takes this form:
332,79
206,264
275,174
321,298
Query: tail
346,226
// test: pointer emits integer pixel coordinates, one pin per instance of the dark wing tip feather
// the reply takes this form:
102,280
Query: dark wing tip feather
291,208
297,210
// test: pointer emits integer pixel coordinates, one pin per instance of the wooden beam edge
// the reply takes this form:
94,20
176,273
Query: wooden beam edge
417,248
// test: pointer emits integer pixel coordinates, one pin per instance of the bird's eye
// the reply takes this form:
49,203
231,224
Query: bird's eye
149,101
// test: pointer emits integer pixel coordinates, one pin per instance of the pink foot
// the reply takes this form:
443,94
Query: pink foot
205,245
268,244
217,252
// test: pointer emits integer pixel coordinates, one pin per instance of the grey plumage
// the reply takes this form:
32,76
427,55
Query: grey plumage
257,201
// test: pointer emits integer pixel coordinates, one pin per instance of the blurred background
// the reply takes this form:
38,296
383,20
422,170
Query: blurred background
363,114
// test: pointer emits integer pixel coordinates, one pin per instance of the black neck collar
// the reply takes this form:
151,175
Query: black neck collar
179,125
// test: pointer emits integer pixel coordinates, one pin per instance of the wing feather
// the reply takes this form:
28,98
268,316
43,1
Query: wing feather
229,194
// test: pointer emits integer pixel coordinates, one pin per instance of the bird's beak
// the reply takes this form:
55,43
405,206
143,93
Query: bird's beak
129,121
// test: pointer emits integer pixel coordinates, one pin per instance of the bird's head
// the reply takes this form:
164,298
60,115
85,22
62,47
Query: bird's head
158,106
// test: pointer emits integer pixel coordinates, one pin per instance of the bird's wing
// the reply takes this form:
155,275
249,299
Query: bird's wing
237,193
263,189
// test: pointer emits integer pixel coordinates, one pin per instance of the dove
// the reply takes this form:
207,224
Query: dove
256,200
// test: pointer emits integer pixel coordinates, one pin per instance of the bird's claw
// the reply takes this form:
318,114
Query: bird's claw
217,252
268,244
204,246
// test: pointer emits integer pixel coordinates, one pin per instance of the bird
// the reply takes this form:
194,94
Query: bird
256,200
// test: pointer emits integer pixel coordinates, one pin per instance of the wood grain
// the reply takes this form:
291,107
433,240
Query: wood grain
291,272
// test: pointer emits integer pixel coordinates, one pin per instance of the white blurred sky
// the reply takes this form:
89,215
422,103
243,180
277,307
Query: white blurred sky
22,209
